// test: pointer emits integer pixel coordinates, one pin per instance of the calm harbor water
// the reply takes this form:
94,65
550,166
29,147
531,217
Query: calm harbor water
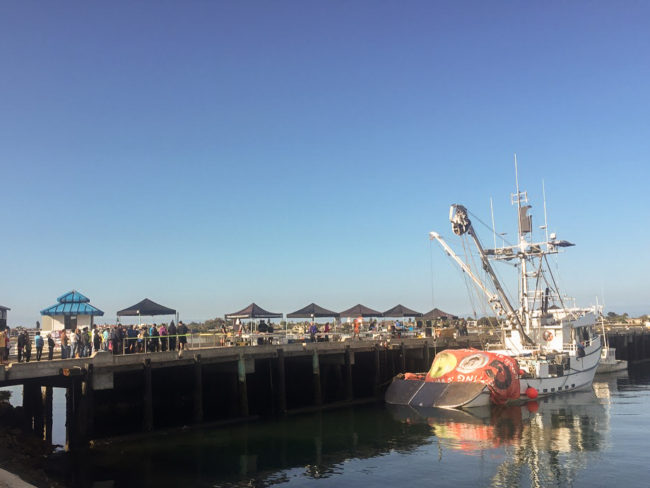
591,438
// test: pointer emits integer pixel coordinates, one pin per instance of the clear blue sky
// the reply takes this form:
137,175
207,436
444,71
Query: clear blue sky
208,154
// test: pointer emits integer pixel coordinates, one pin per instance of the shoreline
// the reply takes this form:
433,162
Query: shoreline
23,455
11,480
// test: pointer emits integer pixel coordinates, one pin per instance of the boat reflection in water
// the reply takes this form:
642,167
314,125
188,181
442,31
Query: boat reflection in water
545,443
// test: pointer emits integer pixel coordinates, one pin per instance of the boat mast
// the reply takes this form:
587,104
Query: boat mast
522,223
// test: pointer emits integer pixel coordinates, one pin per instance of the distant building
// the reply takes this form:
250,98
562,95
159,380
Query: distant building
72,310
3,317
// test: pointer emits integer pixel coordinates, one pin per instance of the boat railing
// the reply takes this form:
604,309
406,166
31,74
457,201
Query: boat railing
572,346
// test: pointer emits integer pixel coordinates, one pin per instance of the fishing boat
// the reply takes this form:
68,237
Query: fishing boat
608,362
546,347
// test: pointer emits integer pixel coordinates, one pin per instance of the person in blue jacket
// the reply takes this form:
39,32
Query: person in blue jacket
38,342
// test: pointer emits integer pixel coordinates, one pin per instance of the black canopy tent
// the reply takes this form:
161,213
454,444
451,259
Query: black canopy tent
436,313
360,311
146,307
401,311
253,311
312,310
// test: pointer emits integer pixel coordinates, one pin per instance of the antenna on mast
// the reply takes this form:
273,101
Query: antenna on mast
545,217
494,230
516,175
516,199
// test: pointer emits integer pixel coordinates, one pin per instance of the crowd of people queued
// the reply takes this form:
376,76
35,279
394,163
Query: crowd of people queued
82,341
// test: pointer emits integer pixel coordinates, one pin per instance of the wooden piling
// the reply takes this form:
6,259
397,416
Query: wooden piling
48,410
243,389
198,390
402,354
377,386
426,357
30,400
349,387
72,395
318,393
38,411
88,399
82,414
282,384
147,401
272,394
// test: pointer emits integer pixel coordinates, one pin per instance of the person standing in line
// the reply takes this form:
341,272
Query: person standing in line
21,347
74,340
357,327
140,347
64,344
132,338
38,342
105,339
112,344
3,345
313,330
162,331
121,334
155,343
182,331
50,347
171,331
97,340
28,346
7,345
238,328
85,343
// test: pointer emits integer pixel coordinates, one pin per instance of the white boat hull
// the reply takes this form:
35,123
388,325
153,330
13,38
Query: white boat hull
617,365
580,375
609,363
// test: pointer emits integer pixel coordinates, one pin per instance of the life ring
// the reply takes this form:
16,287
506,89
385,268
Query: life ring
548,336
